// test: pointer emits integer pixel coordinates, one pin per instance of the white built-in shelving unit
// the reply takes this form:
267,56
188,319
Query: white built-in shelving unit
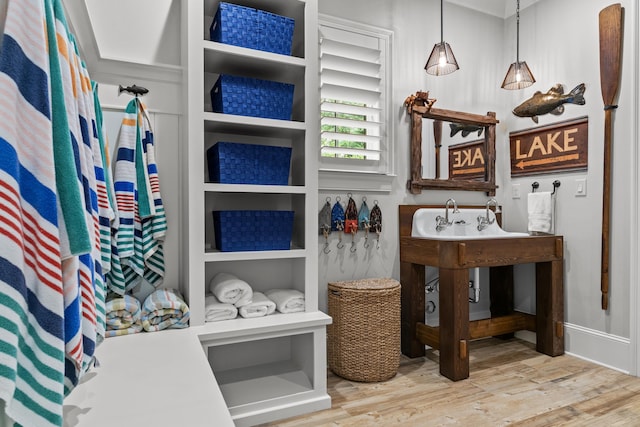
271,367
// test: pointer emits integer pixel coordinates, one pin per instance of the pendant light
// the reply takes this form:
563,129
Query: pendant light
441,61
519,75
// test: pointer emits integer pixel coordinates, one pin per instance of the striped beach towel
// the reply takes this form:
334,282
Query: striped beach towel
31,293
123,315
74,235
165,309
106,197
81,276
141,227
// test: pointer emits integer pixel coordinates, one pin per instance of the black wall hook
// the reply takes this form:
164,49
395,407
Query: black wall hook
536,185
133,90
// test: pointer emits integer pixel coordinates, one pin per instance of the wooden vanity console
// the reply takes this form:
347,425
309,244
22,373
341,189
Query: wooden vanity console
454,258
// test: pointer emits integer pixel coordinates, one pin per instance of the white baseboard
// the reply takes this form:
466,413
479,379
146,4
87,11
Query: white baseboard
607,350
526,336
598,347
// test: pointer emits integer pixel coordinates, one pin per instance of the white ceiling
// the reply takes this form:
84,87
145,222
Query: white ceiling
499,8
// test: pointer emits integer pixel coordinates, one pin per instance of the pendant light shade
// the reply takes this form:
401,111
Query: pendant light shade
519,75
442,60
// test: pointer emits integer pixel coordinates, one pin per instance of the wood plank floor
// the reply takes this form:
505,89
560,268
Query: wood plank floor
510,384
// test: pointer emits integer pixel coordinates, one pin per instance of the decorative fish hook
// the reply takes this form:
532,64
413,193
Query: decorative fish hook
340,245
324,219
326,249
351,221
337,220
376,222
133,90
363,220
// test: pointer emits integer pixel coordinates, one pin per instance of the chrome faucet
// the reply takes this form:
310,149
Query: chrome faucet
484,222
442,223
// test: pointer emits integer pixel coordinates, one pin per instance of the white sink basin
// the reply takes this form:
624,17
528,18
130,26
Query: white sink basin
464,225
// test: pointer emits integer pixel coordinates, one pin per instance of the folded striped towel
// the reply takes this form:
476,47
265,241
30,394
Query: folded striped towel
260,306
215,310
123,316
229,289
287,300
165,309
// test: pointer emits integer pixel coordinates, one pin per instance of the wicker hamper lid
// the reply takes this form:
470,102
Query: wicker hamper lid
366,284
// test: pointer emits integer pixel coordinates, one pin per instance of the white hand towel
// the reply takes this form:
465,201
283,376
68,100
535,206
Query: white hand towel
231,290
540,209
215,310
287,300
260,306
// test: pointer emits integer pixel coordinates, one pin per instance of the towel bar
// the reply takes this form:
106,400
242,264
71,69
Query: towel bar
536,185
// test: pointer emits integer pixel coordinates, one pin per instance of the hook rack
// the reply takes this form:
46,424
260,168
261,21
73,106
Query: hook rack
536,185
340,226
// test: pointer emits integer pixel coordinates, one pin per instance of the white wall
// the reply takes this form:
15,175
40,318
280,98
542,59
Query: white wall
576,61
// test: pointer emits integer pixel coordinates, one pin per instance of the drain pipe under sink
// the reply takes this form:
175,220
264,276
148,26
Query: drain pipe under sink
475,285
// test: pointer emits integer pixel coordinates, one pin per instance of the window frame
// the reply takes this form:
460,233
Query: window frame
339,174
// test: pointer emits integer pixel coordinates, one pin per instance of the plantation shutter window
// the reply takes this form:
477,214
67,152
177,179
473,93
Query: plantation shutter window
354,95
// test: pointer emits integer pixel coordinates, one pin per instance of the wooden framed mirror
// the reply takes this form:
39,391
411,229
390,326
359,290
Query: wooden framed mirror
420,107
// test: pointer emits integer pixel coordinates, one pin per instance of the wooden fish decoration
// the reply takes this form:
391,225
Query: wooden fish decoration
466,129
551,102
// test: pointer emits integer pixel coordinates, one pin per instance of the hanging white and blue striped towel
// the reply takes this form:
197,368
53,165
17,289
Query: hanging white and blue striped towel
31,294
141,227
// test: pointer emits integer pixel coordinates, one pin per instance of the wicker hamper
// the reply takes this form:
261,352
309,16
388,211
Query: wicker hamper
363,342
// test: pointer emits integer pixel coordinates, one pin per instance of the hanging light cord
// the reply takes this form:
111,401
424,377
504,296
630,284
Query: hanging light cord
442,22
518,32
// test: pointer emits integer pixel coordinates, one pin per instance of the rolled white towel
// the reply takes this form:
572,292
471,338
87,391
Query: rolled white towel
231,290
260,306
287,300
215,310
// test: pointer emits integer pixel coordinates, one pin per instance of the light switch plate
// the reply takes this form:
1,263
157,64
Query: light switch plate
581,187
515,191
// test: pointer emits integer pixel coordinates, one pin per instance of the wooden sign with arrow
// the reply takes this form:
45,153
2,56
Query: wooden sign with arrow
557,147
466,160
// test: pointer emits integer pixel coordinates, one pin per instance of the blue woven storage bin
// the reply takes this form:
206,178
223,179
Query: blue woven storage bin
232,163
235,25
252,230
245,96
252,28
275,33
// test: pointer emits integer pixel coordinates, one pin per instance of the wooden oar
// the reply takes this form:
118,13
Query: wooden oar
437,136
610,19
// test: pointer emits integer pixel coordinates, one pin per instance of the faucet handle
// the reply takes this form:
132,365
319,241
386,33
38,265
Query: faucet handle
483,222
441,223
